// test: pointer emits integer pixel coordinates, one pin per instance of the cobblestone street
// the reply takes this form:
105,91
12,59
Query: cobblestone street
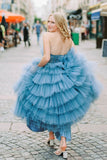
17,142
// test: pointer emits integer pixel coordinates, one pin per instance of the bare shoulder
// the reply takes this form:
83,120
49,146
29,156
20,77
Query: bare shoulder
47,35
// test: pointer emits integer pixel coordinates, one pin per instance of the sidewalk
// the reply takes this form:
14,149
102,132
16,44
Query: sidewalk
17,142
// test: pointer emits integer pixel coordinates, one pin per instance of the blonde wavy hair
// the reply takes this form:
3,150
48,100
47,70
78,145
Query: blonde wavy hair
61,24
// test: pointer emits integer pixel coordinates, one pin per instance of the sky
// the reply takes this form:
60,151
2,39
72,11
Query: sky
39,3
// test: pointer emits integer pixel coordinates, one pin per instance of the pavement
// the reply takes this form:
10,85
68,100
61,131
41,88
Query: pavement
17,142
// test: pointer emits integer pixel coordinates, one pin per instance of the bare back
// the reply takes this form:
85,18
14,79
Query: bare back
57,45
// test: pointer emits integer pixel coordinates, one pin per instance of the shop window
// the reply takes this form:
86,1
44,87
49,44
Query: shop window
99,28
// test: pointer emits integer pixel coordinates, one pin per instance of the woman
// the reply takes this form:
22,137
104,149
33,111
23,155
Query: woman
1,39
56,91
26,34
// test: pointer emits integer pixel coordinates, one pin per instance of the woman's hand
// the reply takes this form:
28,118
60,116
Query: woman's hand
44,61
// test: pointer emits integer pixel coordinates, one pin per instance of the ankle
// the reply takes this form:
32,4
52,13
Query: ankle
63,148
63,142
51,135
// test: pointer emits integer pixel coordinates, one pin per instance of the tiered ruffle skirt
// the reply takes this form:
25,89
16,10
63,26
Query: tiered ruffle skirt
56,96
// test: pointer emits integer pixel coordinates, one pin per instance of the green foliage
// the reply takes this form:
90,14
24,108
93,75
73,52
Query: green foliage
36,18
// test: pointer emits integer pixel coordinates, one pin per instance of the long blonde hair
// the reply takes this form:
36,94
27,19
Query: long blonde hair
61,24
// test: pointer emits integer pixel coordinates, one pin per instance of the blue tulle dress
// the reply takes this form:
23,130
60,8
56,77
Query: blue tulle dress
56,96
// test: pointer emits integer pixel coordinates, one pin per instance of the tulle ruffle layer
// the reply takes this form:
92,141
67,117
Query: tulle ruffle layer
56,96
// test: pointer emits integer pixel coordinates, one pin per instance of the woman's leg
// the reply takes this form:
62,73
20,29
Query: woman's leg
63,142
51,139
25,43
0,44
1,47
62,148
51,135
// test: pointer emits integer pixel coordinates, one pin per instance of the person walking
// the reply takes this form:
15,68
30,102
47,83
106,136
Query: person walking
1,39
83,31
56,91
38,30
26,34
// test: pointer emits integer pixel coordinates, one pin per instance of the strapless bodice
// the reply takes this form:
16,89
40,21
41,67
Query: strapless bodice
60,58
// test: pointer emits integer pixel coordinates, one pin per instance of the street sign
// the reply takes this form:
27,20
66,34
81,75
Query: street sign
104,48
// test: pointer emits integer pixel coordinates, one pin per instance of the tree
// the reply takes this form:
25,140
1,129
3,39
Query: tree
36,18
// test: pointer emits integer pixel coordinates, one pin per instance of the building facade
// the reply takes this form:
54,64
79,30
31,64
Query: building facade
19,7
5,4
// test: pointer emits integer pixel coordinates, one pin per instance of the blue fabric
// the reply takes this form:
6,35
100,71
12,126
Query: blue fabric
38,37
38,27
56,96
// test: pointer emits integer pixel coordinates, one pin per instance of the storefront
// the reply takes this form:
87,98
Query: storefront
96,24
94,18
97,16
104,19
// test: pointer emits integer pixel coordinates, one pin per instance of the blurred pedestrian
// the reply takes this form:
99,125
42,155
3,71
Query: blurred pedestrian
38,30
83,32
57,90
15,37
70,28
1,39
5,25
26,34
87,30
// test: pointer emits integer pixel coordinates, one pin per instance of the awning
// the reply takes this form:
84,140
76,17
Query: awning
94,7
104,6
11,17
96,13
104,9
77,14
104,14
78,11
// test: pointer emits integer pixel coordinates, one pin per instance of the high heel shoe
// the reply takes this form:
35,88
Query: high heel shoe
50,142
51,139
61,152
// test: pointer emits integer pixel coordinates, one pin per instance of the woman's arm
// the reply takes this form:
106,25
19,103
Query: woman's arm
46,50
